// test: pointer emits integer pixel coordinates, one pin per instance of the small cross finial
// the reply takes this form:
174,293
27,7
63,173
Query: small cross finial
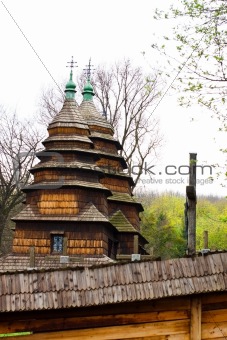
72,64
89,68
70,86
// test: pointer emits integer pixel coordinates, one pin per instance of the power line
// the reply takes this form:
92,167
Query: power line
180,69
31,47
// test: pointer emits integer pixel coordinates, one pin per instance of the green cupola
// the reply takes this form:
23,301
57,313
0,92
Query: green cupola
70,87
88,91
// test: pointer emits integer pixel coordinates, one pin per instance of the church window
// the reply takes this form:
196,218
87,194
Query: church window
57,244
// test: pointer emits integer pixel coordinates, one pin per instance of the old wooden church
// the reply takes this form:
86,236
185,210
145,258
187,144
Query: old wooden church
80,202
80,209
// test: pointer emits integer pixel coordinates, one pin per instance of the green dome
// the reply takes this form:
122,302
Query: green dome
88,87
70,87
88,91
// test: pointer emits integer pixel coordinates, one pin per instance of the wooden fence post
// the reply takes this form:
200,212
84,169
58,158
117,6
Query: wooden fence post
191,206
136,244
195,325
205,239
32,257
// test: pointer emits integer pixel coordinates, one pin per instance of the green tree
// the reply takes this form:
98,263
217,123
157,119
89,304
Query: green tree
200,39
212,217
163,226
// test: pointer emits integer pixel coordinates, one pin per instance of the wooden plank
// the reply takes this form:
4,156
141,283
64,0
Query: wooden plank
47,324
214,330
214,301
220,337
166,304
214,316
195,325
163,337
117,332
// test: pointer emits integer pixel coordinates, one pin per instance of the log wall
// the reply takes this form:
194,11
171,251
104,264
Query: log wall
60,130
126,244
105,146
67,144
81,240
58,202
64,174
179,318
66,201
116,184
114,166
101,129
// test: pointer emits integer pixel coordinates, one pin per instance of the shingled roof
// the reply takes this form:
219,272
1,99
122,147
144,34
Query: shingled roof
109,284
64,183
20,263
69,116
89,213
124,198
92,116
121,223
76,138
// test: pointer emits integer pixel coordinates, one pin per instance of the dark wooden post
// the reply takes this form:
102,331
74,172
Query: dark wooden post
205,239
191,205
32,257
136,244
195,324
65,241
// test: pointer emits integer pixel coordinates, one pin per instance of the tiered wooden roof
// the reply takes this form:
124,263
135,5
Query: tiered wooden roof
79,182
69,116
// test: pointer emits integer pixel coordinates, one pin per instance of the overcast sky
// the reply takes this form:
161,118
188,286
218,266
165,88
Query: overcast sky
105,31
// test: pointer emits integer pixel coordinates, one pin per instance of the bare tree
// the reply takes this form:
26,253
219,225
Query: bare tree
50,103
127,97
18,144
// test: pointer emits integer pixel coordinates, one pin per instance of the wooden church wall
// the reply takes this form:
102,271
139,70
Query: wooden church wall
67,201
126,244
105,146
67,144
112,165
59,175
58,203
60,130
85,239
101,129
116,184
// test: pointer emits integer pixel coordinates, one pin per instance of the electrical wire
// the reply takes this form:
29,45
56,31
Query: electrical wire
31,46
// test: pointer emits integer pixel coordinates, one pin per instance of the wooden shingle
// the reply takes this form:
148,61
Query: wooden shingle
121,223
72,287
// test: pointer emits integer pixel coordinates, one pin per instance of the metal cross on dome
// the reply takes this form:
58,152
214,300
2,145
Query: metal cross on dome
89,68
72,64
